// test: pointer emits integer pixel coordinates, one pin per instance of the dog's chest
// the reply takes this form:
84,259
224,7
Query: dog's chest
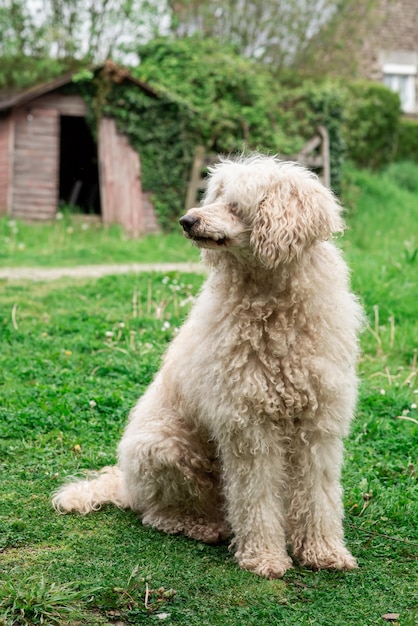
254,363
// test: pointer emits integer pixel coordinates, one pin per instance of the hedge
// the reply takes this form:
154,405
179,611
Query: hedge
407,149
371,124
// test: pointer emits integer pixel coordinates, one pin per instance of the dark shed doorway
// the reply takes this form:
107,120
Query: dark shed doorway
79,172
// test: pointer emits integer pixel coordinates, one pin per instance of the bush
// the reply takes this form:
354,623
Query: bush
310,105
407,140
371,124
211,96
404,174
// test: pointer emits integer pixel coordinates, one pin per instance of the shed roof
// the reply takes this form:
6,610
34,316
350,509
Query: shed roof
118,74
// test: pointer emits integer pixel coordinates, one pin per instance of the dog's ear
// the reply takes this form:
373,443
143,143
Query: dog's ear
291,218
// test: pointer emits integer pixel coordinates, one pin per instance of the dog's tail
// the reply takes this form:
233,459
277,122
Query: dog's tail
83,496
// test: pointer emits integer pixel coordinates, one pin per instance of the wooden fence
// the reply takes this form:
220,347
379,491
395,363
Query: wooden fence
314,155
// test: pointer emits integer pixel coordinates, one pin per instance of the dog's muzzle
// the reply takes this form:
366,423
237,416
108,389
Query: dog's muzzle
188,221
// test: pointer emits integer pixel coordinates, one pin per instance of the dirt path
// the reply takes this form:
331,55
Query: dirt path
95,271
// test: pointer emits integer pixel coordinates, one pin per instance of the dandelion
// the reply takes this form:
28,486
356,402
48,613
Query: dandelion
12,224
165,280
92,403
59,215
85,226
415,391
413,405
109,334
121,324
382,392
166,326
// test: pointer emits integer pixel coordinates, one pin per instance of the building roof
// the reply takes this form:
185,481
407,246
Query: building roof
116,73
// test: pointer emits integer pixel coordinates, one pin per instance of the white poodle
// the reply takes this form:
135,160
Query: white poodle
240,433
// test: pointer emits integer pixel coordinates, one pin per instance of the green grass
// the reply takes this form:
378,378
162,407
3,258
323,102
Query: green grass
74,240
75,356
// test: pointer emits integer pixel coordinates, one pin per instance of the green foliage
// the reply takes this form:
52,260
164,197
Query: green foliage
235,99
21,71
311,104
404,174
371,121
211,96
407,149
30,600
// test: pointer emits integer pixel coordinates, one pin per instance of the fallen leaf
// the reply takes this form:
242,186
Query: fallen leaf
391,617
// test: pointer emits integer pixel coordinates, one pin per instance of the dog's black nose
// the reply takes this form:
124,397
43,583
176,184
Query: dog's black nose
188,221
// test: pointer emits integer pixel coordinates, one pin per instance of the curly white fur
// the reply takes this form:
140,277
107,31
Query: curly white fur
240,432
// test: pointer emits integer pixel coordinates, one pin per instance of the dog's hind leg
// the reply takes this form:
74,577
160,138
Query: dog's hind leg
315,502
171,476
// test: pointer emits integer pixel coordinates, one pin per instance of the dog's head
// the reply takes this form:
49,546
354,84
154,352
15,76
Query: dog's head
271,208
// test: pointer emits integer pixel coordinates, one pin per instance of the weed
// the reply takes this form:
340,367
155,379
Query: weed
27,600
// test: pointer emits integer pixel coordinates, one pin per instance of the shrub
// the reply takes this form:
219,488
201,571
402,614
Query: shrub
371,124
211,96
407,141
404,174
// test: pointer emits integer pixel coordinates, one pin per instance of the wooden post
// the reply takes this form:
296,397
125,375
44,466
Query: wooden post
195,177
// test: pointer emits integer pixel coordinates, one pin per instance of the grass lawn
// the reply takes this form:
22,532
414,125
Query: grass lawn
75,356
72,241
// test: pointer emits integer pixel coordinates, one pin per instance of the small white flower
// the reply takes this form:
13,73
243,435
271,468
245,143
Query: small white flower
413,405
416,391
382,392
109,334
405,412
12,223
92,403
70,230
59,215
165,280
20,246
166,326
85,226
121,324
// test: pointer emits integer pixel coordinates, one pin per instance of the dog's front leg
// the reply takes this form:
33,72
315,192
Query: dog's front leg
316,509
254,487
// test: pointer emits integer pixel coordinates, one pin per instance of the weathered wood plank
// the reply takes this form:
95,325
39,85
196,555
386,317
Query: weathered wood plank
64,104
36,162
5,169
119,169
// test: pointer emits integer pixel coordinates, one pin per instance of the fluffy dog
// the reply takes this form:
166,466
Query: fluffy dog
240,433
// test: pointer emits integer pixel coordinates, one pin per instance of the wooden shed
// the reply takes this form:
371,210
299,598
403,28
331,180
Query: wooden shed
48,156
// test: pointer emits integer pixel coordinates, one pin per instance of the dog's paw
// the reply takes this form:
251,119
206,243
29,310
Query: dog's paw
196,468
209,532
324,557
268,566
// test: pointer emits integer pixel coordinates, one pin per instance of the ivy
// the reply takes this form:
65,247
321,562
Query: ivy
211,96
